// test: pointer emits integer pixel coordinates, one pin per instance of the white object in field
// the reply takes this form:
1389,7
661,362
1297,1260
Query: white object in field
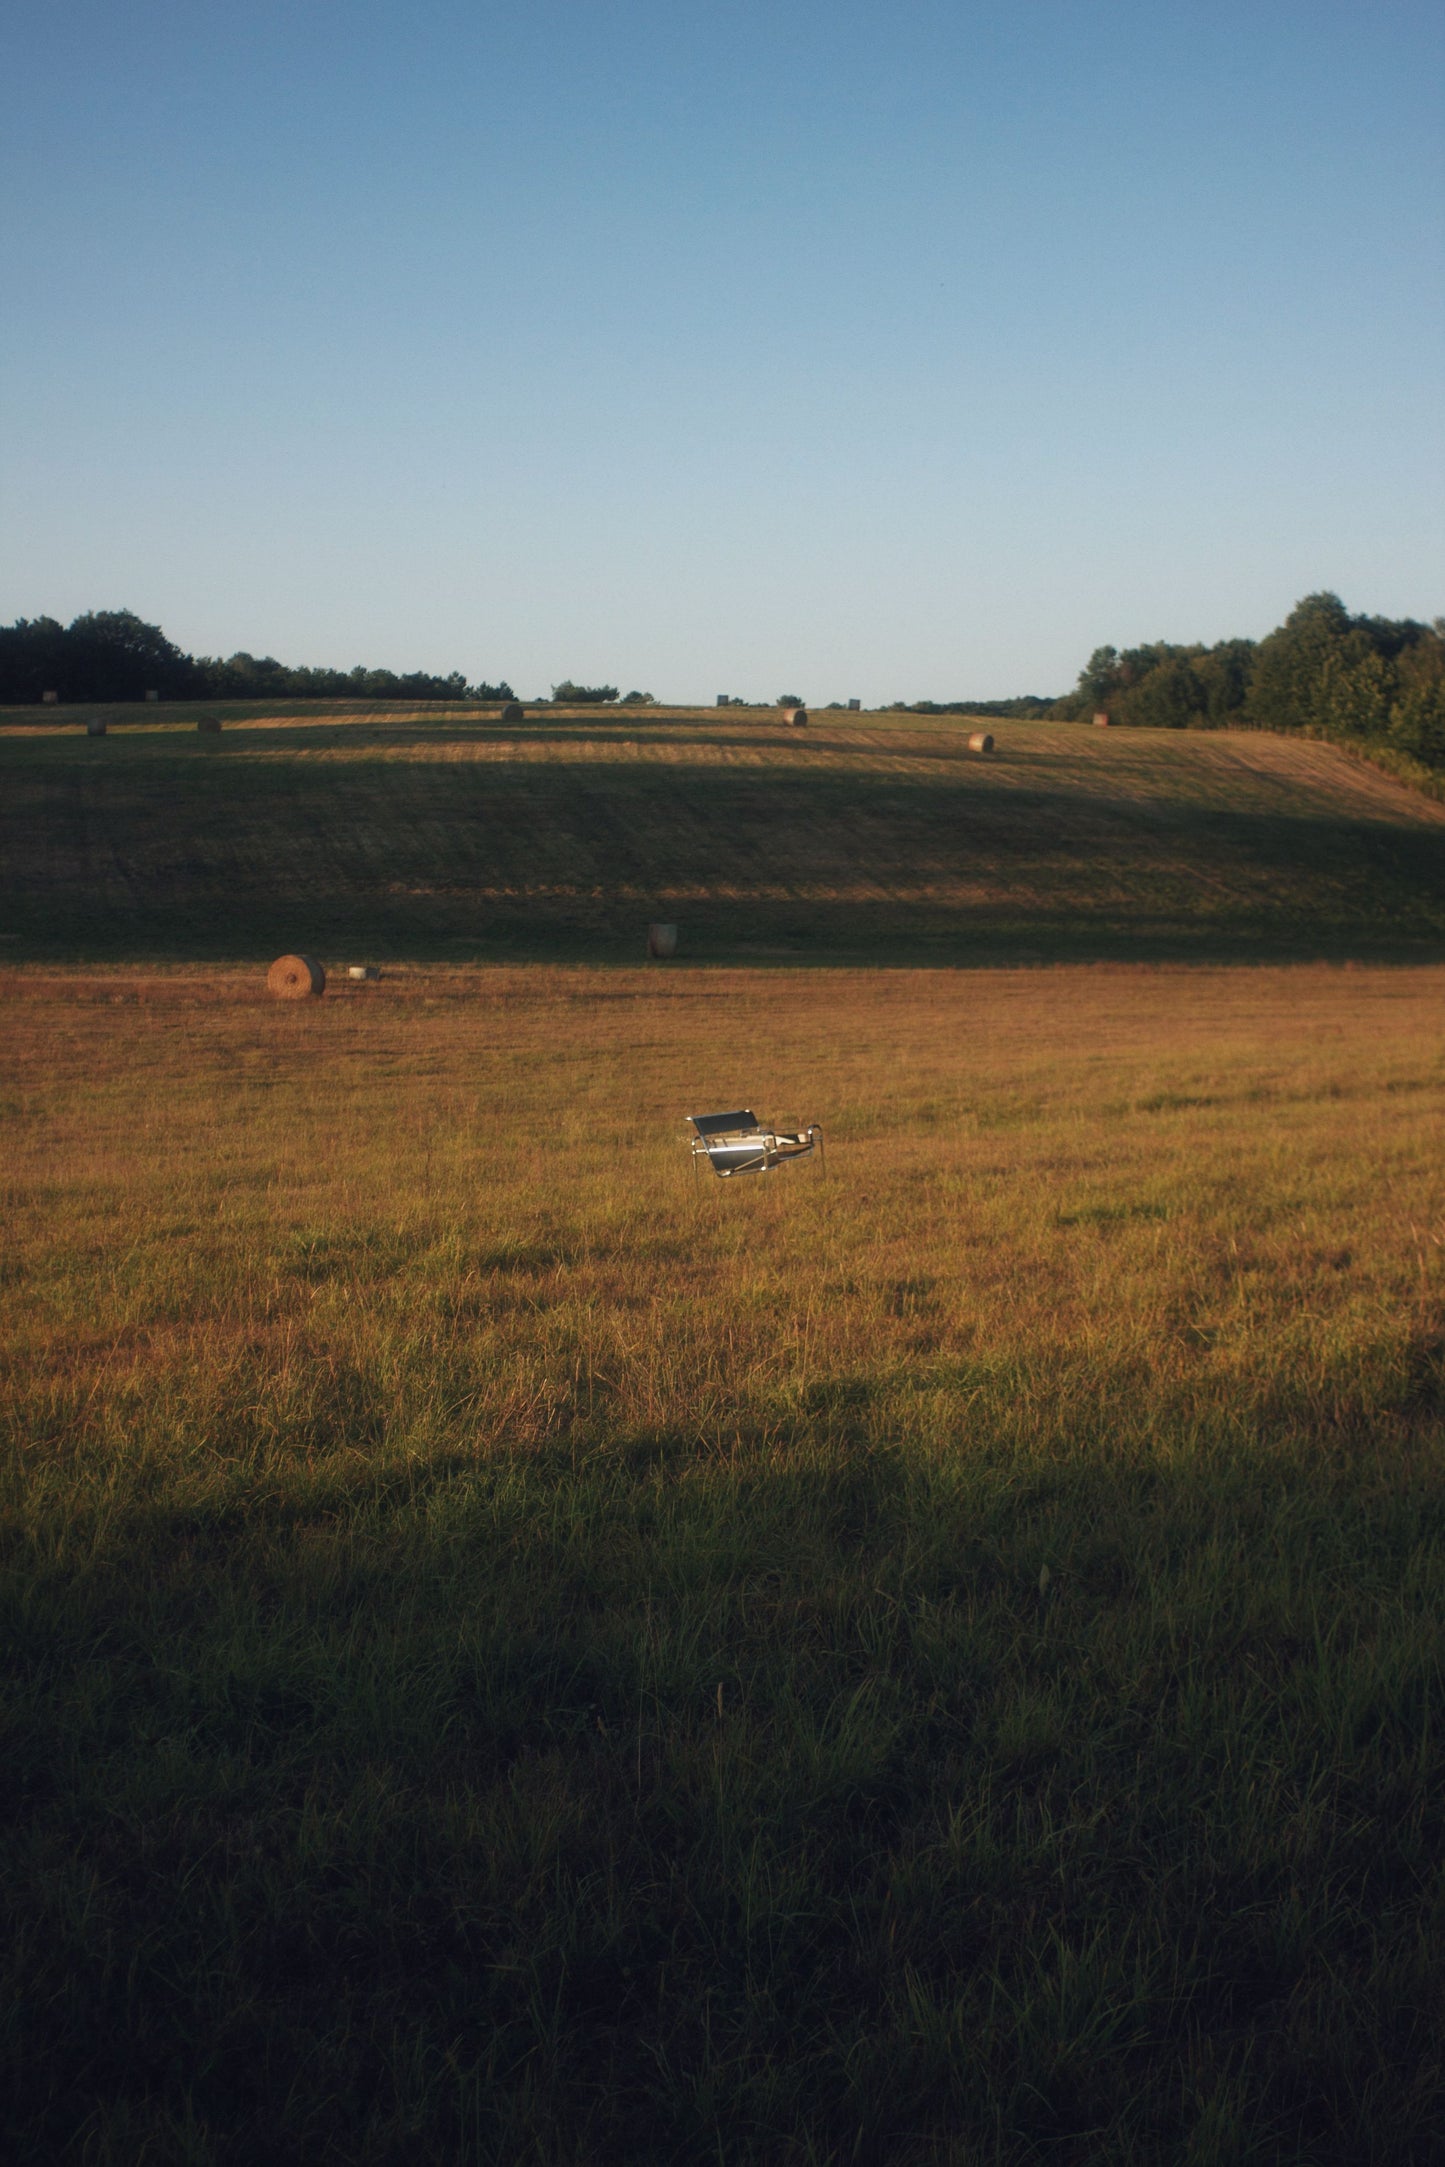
738,1143
366,972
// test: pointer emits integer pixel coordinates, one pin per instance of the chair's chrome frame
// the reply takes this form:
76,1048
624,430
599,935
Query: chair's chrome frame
738,1143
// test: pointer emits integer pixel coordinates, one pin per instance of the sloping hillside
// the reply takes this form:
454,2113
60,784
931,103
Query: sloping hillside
865,838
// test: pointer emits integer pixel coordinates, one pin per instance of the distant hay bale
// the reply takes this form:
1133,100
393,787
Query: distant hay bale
796,716
980,741
211,724
296,978
152,695
513,713
49,698
662,941
95,727
854,706
1101,720
367,973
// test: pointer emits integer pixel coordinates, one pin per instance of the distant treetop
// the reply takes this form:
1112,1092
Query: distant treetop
569,695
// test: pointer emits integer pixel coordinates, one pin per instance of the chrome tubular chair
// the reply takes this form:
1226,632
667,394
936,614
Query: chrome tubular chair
739,1143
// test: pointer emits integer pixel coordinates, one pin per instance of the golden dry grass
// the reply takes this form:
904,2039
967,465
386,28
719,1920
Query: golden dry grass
516,1657
1176,1162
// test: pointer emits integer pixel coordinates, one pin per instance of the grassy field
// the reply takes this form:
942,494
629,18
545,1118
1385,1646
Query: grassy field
512,1658
875,839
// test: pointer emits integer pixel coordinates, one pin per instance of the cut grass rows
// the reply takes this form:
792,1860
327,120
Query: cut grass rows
877,840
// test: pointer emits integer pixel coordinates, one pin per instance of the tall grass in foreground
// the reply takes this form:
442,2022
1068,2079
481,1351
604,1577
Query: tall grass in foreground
511,1658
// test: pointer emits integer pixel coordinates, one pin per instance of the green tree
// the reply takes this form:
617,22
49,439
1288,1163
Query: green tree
1356,690
112,654
1224,673
1290,666
569,695
1417,724
32,659
1168,695
1099,678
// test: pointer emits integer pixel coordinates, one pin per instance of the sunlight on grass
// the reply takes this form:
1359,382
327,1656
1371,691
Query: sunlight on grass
858,840
516,1656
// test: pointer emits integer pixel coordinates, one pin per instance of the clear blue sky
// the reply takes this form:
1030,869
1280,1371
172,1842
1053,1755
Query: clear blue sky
749,346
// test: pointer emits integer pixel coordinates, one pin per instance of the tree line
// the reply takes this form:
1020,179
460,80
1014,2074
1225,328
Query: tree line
112,655
1370,681
1367,680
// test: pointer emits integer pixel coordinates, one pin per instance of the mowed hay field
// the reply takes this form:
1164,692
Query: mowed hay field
511,1657
858,839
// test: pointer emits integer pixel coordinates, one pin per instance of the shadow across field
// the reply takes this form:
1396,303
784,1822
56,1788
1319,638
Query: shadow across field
510,1655
237,848
701,1808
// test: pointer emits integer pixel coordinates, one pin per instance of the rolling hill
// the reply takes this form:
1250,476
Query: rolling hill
861,839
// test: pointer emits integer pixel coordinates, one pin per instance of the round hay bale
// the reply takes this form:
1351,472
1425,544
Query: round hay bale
513,713
296,978
662,941
797,716
211,724
981,741
95,727
1101,720
366,973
